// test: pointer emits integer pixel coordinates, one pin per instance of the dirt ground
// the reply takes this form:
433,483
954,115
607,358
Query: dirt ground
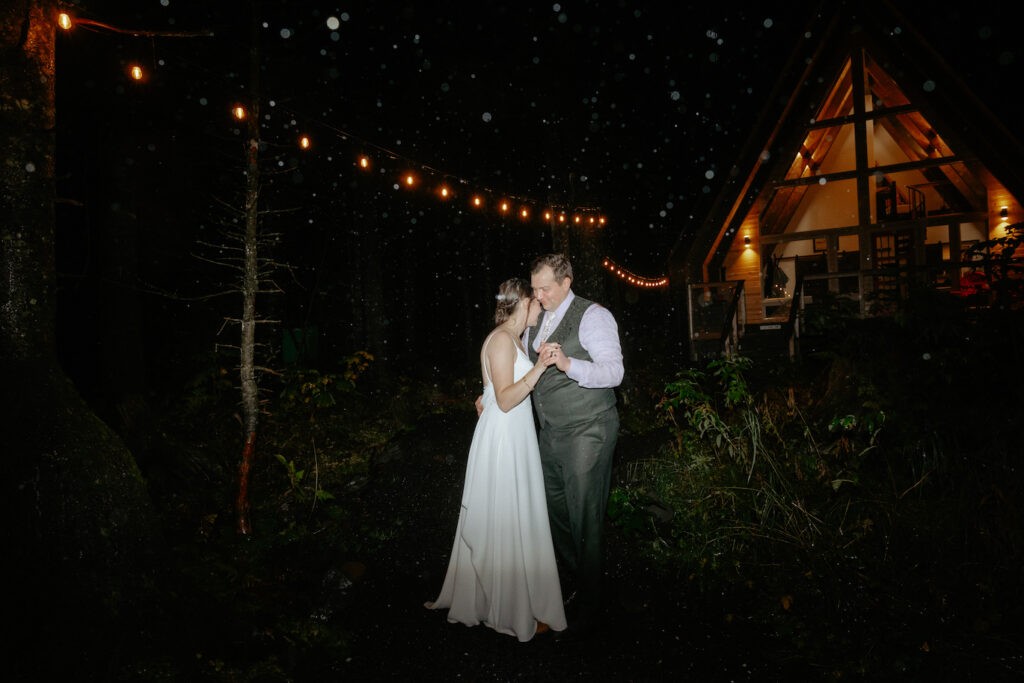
652,632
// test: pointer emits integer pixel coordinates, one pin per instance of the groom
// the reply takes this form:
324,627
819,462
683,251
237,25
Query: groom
579,424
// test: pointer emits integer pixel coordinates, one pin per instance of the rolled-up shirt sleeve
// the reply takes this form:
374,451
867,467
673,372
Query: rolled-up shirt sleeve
599,335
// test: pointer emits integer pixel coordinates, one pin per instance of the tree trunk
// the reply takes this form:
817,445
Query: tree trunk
80,522
250,286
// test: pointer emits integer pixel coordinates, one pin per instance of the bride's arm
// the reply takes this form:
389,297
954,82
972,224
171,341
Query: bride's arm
501,356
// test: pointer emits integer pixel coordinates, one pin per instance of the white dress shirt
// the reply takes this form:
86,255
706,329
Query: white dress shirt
599,335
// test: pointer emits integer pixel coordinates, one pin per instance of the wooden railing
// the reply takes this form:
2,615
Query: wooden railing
717,316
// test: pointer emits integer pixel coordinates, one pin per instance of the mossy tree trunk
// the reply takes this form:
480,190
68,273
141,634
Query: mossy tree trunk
80,524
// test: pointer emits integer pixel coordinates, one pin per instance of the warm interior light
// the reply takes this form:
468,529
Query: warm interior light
561,218
64,21
445,193
239,113
364,162
746,241
136,72
576,219
304,142
477,201
601,220
524,213
547,215
504,206
409,180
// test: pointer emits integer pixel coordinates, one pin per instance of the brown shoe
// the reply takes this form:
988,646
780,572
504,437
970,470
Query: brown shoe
542,627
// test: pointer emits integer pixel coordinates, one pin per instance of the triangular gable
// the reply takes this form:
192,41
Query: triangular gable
942,134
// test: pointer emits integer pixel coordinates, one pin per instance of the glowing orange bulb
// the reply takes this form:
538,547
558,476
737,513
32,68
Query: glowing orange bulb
477,201
304,142
524,213
601,220
364,162
64,21
591,220
409,180
576,218
561,218
136,72
547,215
239,113
504,206
445,192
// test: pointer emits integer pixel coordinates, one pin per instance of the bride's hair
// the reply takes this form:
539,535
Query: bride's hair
510,293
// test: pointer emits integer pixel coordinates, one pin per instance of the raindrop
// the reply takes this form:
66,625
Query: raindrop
286,33
30,167
768,23
333,23
709,174
929,86
487,117
822,181
674,95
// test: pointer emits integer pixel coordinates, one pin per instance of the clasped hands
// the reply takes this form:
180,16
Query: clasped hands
551,353
548,354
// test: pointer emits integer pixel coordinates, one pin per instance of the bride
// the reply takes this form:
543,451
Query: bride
502,570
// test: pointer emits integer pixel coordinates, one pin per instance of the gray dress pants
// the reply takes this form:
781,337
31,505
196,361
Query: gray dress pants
577,463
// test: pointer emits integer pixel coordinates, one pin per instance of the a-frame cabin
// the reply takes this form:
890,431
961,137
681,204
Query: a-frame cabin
881,166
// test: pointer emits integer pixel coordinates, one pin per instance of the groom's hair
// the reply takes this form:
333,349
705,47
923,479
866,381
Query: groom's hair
559,265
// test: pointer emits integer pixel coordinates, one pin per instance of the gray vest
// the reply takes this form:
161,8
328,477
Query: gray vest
561,402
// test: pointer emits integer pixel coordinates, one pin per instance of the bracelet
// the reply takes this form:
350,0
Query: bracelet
527,384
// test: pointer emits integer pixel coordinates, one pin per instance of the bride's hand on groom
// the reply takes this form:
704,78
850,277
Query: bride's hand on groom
479,403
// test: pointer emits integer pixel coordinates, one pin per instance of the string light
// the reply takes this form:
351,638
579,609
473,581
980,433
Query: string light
478,202
136,72
64,21
364,162
634,279
238,112
304,142
445,192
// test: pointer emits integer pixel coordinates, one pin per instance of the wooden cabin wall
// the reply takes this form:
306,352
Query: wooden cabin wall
744,264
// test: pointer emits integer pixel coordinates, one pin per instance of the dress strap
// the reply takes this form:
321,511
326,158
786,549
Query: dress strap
485,366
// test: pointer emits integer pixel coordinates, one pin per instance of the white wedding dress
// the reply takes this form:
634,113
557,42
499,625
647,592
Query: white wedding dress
502,570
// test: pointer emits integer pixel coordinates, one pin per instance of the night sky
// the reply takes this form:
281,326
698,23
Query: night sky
637,108
641,103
